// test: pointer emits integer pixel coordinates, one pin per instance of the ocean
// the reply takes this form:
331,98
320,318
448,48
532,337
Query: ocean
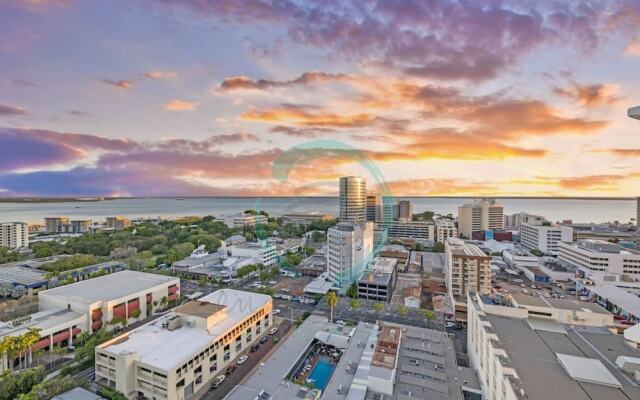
578,210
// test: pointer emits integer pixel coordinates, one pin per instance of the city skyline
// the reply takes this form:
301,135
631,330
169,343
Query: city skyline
188,98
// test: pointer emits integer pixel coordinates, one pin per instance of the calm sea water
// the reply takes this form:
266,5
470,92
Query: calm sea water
578,210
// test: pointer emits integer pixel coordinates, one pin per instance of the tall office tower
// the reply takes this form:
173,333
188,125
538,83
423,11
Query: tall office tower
405,210
374,207
349,250
353,199
14,235
481,215
55,224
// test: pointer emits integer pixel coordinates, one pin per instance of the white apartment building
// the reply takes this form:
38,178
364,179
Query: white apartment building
523,354
14,235
467,269
245,220
481,215
405,230
545,238
444,229
121,294
600,256
177,355
118,222
264,253
349,250
353,199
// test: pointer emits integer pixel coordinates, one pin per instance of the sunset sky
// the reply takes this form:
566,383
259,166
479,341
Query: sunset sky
197,97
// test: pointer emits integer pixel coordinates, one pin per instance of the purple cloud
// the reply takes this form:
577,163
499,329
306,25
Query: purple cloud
10,111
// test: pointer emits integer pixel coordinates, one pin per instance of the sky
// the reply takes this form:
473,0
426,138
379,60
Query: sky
282,97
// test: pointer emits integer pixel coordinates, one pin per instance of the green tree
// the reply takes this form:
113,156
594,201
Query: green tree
438,247
309,251
332,301
352,292
202,282
403,310
378,307
430,315
418,246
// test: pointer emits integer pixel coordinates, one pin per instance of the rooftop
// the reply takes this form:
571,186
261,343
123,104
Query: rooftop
200,309
21,275
167,349
44,320
460,247
110,287
538,366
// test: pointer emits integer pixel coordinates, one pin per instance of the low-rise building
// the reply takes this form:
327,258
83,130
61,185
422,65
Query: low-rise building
31,279
264,253
304,218
245,220
177,355
55,224
514,221
545,238
211,265
599,256
378,280
122,295
14,235
118,222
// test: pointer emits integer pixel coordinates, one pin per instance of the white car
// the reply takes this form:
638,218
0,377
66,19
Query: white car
273,282
276,311
273,331
285,290
218,381
340,322
449,325
584,298
242,360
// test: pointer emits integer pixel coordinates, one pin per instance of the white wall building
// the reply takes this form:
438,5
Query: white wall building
117,295
600,256
14,235
516,220
263,253
479,216
405,230
544,237
349,250
175,356
245,220
444,229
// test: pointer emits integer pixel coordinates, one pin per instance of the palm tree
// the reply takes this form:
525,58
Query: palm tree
163,301
83,337
332,301
32,337
4,350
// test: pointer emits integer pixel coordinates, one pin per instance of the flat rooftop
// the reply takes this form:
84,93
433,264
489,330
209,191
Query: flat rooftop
200,309
533,353
374,278
110,287
21,275
44,320
533,299
167,349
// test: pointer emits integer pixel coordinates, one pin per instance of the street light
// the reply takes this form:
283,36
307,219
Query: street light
634,112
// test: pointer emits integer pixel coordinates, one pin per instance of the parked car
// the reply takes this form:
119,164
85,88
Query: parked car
276,311
218,381
242,360
254,348
273,331
230,370
285,290
450,325
340,322
273,282
264,339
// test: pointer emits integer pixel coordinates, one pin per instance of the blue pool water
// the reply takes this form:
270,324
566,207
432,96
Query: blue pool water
321,373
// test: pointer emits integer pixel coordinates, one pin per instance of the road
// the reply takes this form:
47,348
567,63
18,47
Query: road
241,371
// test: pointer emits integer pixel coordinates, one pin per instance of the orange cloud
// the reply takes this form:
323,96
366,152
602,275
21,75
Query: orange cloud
301,117
590,95
160,74
633,49
121,84
180,105
621,152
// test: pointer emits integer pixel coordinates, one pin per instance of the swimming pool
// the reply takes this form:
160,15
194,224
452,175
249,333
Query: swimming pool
321,373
